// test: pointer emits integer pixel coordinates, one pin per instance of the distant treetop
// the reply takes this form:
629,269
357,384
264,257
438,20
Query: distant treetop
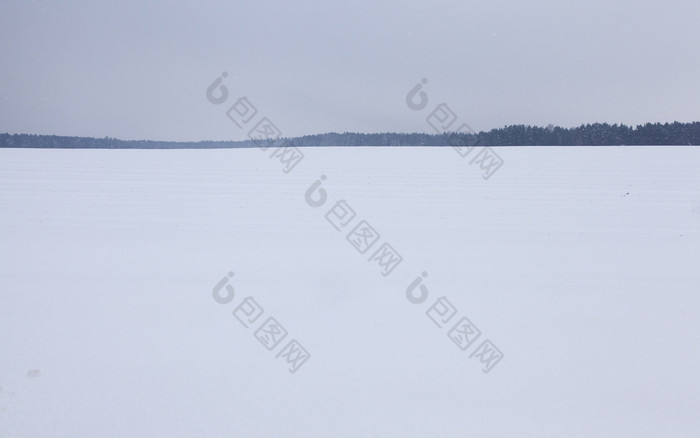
597,134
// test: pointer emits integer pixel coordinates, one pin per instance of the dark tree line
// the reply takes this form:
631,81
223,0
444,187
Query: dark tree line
597,134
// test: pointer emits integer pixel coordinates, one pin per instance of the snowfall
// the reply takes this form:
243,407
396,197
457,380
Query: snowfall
364,292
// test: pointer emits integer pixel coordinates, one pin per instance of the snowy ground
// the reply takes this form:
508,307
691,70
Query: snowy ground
581,265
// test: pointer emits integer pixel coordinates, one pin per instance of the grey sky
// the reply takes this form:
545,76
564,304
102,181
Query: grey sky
139,69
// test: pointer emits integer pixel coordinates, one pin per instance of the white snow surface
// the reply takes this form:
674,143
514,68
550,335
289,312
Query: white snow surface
581,265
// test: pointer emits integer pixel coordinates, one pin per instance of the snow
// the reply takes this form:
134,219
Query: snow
579,264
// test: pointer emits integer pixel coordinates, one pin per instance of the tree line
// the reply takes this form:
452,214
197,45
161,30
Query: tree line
597,134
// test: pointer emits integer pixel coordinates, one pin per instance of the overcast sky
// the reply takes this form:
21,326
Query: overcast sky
139,69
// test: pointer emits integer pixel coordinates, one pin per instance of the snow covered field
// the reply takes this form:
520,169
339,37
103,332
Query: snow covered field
580,265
